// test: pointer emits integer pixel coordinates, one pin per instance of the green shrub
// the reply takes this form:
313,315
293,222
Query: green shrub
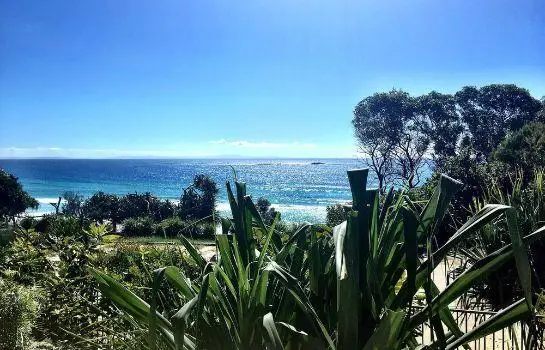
206,230
265,210
175,227
501,288
170,227
335,214
132,264
44,222
139,227
25,260
524,148
28,222
198,201
19,309
7,234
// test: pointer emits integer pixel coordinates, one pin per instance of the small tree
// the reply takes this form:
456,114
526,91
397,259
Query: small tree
265,210
198,200
336,214
73,204
13,199
135,205
103,206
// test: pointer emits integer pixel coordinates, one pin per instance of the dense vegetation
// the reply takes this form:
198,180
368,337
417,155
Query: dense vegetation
143,214
312,291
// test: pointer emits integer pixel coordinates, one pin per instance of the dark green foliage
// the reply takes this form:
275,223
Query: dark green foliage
336,214
441,122
524,149
528,198
198,201
139,227
206,230
62,226
132,264
491,111
44,223
170,227
137,205
378,125
73,204
176,227
265,210
145,204
13,199
19,309
28,222
164,209
103,206
7,234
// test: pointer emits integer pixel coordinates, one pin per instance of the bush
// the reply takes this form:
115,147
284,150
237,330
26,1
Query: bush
170,227
528,199
7,234
198,230
43,224
19,308
28,222
265,210
139,227
336,214
206,230
524,149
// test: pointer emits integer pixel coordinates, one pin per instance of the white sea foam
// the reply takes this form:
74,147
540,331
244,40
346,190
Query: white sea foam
47,200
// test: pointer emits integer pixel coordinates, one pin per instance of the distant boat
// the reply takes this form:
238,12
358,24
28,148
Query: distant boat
317,163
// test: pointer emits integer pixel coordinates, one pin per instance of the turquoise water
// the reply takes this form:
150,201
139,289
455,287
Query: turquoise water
297,188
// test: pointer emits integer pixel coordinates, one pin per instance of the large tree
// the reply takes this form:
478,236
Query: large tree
491,111
377,126
13,199
441,122
391,137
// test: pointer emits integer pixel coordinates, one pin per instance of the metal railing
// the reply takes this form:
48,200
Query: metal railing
517,336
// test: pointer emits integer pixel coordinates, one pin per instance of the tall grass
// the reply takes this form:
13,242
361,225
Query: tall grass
352,288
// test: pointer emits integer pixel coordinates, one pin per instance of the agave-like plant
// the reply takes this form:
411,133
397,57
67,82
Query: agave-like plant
353,289
241,299
378,245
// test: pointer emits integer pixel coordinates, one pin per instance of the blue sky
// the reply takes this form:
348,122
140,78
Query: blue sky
252,78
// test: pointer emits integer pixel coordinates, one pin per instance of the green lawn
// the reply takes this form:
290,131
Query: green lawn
163,240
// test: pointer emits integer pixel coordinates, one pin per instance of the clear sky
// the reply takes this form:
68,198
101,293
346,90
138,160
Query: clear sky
252,78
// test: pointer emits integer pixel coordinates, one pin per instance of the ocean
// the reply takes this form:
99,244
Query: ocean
299,189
